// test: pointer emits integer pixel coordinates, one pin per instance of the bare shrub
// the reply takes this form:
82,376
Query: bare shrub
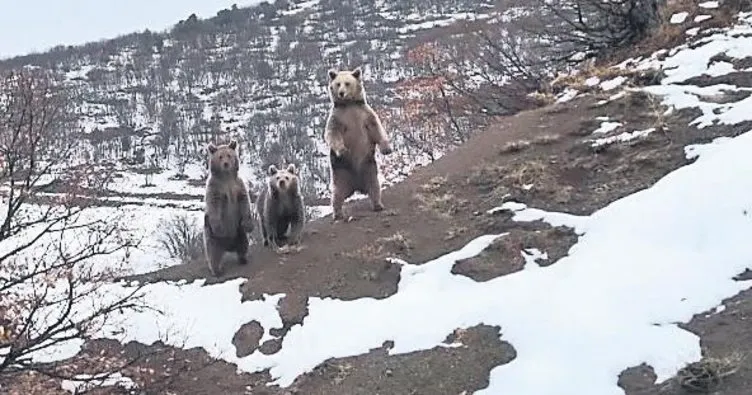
54,281
182,238
706,375
580,29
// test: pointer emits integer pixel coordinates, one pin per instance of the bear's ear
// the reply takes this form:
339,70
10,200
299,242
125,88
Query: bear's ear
332,74
233,144
357,72
291,168
211,148
272,170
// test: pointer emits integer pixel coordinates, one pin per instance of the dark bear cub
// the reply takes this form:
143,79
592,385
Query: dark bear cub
227,208
280,207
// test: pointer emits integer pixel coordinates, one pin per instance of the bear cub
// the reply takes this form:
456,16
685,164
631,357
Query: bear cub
227,208
280,207
353,131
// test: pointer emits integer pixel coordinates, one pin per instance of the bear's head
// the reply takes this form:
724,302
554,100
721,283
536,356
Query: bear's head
284,181
223,159
346,86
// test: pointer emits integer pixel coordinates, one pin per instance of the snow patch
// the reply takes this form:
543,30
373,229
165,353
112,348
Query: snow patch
85,382
679,17
613,83
567,95
181,315
623,137
692,32
592,81
701,18
607,127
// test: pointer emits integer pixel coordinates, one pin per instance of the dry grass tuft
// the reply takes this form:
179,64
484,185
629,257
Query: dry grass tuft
526,173
657,111
515,146
501,182
578,81
434,185
488,178
543,98
383,247
182,238
708,374
455,232
431,198
546,139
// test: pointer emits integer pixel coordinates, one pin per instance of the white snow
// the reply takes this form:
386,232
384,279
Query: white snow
143,224
692,62
679,242
623,137
85,382
613,83
708,4
638,242
701,18
567,95
679,17
592,81
613,97
196,316
607,127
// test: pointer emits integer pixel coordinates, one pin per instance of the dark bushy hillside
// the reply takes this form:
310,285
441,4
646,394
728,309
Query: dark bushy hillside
256,74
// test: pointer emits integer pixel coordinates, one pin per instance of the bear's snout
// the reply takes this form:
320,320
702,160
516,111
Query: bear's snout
342,94
226,165
282,184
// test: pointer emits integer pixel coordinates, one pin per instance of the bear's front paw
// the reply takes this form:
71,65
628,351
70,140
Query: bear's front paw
385,148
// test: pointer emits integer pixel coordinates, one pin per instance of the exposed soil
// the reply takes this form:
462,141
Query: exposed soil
543,158
723,335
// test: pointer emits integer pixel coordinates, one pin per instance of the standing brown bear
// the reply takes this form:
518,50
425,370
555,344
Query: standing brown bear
280,207
353,130
227,210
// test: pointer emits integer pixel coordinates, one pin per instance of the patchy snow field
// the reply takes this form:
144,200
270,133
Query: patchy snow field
642,264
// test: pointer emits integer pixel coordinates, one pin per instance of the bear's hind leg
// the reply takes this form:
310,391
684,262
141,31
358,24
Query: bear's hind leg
264,234
296,228
342,189
242,248
214,255
282,227
371,182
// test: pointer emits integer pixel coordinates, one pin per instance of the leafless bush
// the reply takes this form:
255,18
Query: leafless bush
463,80
182,238
53,280
581,29
706,375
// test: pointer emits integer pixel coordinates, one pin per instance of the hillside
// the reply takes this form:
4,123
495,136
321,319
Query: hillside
152,101
597,245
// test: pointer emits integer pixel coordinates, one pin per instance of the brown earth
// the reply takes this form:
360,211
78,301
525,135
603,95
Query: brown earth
724,337
541,158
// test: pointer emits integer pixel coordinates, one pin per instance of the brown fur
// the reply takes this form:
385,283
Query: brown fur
280,207
353,131
227,208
